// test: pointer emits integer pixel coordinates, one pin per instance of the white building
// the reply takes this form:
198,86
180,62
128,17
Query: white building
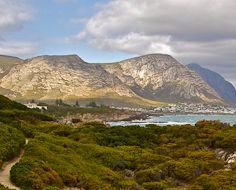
35,106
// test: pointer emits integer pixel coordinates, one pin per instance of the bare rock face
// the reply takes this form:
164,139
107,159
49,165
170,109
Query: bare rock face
152,77
161,77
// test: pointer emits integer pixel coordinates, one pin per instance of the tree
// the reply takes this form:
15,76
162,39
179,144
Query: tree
92,104
104,106
59,102
77,103
32,101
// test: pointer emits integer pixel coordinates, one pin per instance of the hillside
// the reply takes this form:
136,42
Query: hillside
146,80
6,63
6,103
224,88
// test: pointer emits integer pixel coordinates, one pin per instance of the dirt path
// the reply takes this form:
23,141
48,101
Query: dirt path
5,171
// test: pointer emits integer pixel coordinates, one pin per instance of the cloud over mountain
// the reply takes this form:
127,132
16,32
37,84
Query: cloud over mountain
203,30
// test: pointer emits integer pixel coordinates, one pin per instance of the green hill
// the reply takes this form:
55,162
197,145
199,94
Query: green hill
12,132
6,103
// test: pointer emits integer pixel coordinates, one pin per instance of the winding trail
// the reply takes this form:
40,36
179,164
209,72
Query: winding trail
5,171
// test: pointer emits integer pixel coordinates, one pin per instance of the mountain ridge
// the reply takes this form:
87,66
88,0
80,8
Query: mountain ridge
146,76
151,78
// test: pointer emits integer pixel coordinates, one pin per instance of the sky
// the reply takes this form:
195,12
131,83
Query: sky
196,31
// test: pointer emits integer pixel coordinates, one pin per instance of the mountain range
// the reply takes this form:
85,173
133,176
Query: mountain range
224,88
152,79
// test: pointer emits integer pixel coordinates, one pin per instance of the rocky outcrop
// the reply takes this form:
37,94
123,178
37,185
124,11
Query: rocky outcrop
224,88
156,77
227,157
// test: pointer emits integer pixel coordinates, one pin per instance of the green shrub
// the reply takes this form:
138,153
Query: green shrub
154,186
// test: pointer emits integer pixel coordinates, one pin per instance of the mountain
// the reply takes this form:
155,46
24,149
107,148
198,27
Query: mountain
7,62
224,88
161,77
149,79
62,77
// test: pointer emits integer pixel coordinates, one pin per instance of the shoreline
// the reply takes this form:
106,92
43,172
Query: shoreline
174,119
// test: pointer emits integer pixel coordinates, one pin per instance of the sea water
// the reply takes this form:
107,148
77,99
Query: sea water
177,120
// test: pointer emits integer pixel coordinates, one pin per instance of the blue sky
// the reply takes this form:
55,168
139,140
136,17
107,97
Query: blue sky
112,30
53,21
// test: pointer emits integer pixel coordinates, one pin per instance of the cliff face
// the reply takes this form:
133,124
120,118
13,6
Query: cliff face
154,77
224,88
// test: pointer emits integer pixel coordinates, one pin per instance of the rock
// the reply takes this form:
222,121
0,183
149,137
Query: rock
129,174
227,157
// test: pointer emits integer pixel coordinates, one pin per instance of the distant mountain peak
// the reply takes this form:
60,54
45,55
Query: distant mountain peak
194,65
223,87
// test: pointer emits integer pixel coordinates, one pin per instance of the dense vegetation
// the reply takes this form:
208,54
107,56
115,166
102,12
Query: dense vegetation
130,158
67,110
11,141
97,157
59,111
12,115
3,188
5,103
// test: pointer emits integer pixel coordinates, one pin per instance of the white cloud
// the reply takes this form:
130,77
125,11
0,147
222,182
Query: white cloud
180,19
134,43
17,48
193,31
135,23
12,14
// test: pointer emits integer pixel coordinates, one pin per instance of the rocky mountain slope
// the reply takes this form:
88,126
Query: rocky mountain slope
150,79
7,62
161,77
224,88
65,77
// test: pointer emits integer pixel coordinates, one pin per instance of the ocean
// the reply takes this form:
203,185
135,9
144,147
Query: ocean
176,120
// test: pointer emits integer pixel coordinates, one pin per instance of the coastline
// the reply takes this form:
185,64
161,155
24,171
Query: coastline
175,119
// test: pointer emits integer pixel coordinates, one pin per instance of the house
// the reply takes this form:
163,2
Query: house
35,106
